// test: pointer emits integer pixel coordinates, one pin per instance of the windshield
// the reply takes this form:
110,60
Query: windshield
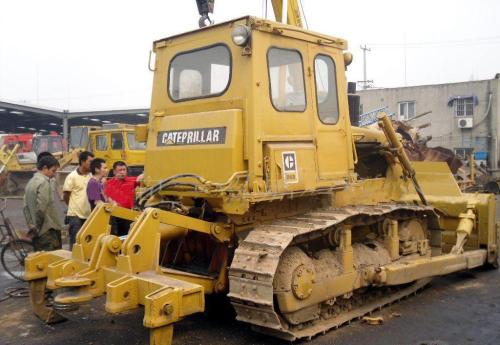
201,73
78,137
134,144
50,144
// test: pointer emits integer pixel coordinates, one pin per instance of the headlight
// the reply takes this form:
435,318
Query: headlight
240,35
347,58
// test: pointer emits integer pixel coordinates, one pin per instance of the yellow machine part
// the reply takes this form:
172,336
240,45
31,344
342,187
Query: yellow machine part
293,12
127,272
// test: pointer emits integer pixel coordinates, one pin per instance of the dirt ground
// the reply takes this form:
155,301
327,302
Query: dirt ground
462,308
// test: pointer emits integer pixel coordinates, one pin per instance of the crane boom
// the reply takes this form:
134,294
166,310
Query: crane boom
292,11
289,7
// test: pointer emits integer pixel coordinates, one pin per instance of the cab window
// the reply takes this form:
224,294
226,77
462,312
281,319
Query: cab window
78,137
134,144
200,73
55,144
116,141
326,89
286,79
101,143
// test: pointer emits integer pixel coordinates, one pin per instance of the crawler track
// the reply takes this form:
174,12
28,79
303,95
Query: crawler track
256,260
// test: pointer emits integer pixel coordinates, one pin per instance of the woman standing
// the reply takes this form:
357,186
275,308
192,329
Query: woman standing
95,187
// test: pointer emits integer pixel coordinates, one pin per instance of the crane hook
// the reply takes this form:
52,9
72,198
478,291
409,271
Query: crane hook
205,20
204,8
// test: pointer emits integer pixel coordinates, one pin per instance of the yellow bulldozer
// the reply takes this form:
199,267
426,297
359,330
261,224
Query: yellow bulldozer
112,143
16,167
116,142
257,187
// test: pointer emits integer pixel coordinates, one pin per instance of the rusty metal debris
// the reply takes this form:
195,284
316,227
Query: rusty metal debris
417,150
470,175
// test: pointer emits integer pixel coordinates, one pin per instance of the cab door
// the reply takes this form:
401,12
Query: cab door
100,142
330,110
117,151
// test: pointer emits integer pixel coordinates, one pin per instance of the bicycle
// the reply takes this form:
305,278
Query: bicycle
4,235
15,249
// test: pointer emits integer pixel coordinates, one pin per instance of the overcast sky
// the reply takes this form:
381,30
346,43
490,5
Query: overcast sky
93,54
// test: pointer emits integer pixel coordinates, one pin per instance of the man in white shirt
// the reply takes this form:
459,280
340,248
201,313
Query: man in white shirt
75,195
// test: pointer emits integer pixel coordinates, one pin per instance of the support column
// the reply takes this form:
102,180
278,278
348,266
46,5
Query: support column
346,253
392,239
65,126
464,229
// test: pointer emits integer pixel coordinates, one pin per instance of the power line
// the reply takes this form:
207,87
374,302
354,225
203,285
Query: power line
469,41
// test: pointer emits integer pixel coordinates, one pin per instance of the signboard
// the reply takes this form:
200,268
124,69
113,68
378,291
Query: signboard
290,171
195,136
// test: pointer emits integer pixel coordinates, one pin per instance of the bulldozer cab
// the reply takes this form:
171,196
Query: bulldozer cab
52,143
252,96
118,144
79,136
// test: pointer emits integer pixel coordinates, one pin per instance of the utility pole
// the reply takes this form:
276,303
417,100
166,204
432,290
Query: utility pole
365,81
404,52
37,85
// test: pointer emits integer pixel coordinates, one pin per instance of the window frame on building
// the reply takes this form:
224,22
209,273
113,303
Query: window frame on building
406,116
463,105
463,152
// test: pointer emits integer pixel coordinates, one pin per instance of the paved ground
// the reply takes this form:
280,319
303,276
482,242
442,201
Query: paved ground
462,308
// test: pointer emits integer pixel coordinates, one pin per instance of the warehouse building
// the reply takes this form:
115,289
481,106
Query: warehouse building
25,118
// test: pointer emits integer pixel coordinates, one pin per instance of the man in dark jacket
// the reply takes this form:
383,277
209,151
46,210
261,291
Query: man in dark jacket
42,216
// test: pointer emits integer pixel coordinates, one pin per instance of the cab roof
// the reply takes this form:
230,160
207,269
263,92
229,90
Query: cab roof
269,26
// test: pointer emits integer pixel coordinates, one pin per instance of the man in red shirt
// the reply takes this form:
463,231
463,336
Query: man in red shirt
120,190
